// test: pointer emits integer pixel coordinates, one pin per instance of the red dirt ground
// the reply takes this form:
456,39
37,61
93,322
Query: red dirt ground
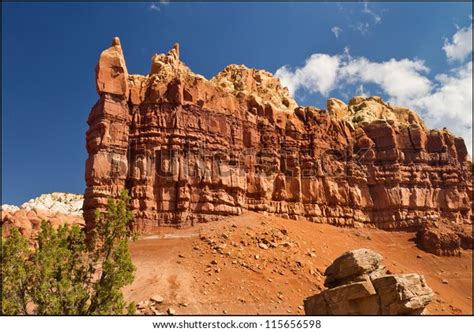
257,264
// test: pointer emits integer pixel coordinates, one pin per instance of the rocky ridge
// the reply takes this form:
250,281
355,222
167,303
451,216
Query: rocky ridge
193,150
56,208
66,203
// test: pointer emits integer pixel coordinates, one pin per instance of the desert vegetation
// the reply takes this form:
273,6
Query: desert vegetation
68,272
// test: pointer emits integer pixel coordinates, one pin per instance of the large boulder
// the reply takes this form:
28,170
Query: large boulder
358,298
354,266
367,290
402,294
444,240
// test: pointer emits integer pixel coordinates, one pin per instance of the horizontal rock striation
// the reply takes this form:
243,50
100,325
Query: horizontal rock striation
191,150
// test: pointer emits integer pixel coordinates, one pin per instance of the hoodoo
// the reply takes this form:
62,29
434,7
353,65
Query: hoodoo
191,150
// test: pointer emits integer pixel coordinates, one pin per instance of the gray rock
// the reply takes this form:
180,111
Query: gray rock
358,286
403,294
354,266
358,298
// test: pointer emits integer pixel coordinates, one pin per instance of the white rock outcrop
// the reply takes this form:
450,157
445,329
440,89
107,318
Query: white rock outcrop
66,203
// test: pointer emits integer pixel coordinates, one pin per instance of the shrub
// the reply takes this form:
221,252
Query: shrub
67,274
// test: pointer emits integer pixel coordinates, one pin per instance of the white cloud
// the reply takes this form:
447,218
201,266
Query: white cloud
336,31
322,73
360,91
362,19
362,27
445,101
377,18
461,45
403,79
318,75
450,103
156,6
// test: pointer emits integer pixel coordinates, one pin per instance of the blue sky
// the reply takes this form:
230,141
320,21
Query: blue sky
49,52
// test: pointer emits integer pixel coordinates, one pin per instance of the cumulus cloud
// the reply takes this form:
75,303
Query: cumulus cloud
461,45
449,104
318,75
402,79
336,31
445,101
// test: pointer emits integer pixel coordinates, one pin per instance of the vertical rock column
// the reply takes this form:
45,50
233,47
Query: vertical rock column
107,137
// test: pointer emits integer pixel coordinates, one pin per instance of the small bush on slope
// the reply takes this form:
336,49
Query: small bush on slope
65,274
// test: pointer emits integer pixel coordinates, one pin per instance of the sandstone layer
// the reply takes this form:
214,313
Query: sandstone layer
192,150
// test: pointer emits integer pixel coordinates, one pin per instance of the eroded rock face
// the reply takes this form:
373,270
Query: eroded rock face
445,240
111,71
192,150
365,289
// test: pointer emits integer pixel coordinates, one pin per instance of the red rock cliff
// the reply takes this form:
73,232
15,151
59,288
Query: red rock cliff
191,150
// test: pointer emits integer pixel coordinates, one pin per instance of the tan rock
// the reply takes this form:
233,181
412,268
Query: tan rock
111,71
157,298
352,266
56,209
445,240
336,108
401,294
261,87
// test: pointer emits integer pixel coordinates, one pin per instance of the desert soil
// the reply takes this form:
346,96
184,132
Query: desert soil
257,264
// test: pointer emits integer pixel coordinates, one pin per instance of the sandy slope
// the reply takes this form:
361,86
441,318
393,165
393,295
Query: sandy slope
226,267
